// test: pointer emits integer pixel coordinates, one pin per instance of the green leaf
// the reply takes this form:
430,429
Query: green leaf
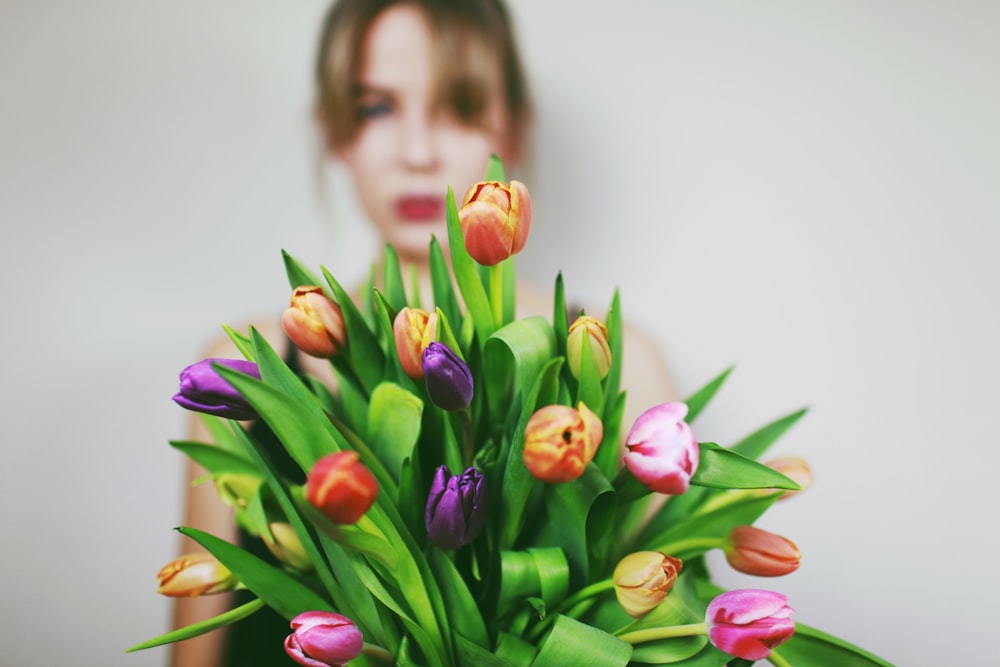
363,351
514,356
580,645
810,647
241,342
757,443
393,425
463,614
215,459
671,612
444,290
279,590
304,435
467,276
721,468
495,170
517,482
297,273
392,279
697,402
715,524
201,627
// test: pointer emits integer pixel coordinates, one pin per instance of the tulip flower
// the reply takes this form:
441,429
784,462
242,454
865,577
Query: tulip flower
341,487
202,389
754,551
285,545
796,469
662,451
560,441
323,639
643,579
495,219
413,330
456,508
749,623
195,574
588,331
448,379
314,323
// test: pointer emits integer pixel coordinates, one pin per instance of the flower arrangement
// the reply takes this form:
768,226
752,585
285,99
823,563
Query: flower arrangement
466,497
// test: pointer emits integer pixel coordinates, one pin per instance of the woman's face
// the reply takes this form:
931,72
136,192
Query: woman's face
408,149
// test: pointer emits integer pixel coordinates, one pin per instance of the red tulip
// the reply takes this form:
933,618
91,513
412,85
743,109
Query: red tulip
341,487
495,219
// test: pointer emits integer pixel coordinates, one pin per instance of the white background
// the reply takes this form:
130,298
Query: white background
808,190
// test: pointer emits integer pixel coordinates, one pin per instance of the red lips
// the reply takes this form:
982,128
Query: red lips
420,208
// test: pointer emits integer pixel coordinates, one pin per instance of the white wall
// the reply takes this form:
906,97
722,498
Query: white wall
807,190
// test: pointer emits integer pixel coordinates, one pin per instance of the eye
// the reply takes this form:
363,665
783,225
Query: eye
370,110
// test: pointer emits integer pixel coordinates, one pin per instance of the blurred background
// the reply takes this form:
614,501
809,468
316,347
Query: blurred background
807,190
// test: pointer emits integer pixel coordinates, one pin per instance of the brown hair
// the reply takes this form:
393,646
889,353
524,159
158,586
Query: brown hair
462,29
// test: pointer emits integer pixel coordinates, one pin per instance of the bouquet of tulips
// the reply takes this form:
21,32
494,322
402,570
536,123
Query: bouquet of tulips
467,499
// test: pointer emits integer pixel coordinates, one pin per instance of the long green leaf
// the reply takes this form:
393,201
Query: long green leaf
574,643
810,647
215,459
297,272
201,627
463,613
725,469
697,401
364,353
757,443
279,590
394,416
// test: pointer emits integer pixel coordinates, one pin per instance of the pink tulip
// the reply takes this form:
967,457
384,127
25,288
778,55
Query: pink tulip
323,639
662,451
749,623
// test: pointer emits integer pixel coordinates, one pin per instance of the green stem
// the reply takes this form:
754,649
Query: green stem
379,653
467,448
496,293
666,632
696,544
778,660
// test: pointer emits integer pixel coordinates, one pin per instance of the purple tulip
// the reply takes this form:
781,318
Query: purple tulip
749,623
323,639
448,379
456,508
204,390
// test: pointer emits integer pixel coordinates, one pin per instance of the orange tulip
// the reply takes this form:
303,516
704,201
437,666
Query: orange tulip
560,441
495,219
314,323
195,574
413,330
754,551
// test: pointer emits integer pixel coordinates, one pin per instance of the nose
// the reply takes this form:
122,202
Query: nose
419,145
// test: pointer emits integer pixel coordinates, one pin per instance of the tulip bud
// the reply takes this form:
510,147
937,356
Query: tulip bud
204,390
495,219
559,442
662,451
314,323
749,623
643,579
286,546
196,574
448,379
588,331
413,330
794,468
341,487
236,489
758,552
323,639
456,508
